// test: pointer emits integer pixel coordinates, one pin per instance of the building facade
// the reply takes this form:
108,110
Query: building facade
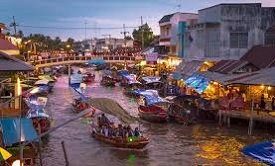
172,30
101,45
227,31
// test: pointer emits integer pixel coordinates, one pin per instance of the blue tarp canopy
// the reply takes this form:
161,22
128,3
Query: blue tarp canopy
37,113
151,79
97,61
76,78
76,87
107,72
11,130
197,82
39,89
151,96
131,78
177,76
264,151
123,72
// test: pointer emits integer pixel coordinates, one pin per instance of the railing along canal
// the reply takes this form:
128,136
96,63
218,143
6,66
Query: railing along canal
75,59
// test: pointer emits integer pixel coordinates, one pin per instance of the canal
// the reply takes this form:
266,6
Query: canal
170,144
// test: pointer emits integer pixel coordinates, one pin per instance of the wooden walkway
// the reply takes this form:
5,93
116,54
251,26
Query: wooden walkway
246,115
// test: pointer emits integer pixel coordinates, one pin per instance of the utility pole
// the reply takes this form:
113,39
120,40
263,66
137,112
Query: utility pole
109,40
85,28
14,25
142,37
124,33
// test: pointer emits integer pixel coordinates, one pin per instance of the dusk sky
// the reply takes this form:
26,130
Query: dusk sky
69,14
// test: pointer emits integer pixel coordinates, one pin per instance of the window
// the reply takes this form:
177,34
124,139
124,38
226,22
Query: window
238,40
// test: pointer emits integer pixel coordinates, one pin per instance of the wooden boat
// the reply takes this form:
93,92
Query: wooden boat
107,81
189,109
152,82
130,143
130,87
152,107
88,77
41,125
79,105
152,114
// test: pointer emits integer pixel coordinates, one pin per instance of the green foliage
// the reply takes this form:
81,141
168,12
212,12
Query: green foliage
148,35
39,42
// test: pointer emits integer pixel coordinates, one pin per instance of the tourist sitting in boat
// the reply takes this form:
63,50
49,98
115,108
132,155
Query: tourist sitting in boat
136,132
99,122
120,130
129,131
105,120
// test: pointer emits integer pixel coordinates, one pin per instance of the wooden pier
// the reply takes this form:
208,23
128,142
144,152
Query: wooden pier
259,116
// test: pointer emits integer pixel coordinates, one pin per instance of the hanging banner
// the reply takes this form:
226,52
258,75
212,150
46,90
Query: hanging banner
151,58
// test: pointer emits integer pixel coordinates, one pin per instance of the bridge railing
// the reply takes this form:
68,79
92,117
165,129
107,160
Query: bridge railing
108,58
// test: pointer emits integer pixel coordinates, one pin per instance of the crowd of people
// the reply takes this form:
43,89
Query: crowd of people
107,128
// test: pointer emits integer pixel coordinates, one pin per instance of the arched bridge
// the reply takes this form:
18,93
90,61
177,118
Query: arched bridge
81,59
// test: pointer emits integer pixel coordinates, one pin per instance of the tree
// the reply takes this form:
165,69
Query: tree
148,35
20,34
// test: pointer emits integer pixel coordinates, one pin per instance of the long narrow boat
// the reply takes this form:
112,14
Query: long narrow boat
130,143
152,106
152,114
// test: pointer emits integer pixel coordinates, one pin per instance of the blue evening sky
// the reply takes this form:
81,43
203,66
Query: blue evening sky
97,14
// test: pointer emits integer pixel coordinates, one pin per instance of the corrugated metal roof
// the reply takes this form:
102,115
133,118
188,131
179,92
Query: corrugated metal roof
9,63
228,66
188,68
263,77
11,130
260,56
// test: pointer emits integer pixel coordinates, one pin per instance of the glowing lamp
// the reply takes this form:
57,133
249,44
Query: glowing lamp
17,163
269,88
262,86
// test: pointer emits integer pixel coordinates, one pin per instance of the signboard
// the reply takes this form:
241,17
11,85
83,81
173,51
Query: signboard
151,58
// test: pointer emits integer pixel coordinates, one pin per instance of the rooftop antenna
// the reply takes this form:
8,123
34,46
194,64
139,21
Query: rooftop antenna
124,33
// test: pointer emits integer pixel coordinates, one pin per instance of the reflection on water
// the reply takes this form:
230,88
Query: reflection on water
170,144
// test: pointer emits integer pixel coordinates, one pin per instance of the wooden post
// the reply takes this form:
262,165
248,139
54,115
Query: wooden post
220,117
65,153
69,74
251,118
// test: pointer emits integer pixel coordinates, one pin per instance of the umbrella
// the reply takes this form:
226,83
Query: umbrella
4,154
41,82
97,61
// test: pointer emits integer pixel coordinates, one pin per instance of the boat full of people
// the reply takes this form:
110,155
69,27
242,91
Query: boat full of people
120,136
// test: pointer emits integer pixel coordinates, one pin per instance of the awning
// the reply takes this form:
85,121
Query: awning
263,77
41,82
188,68
151,79
197,82
46,77
151,96
11,129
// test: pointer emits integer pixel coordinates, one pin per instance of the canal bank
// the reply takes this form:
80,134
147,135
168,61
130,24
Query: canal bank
171,144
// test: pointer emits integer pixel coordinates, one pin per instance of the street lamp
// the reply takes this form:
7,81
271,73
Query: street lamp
79,115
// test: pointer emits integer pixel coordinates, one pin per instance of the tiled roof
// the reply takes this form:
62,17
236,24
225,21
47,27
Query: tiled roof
6,45
9,63
260,56
228,66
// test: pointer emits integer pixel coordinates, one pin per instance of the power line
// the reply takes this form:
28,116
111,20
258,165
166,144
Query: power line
75,28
